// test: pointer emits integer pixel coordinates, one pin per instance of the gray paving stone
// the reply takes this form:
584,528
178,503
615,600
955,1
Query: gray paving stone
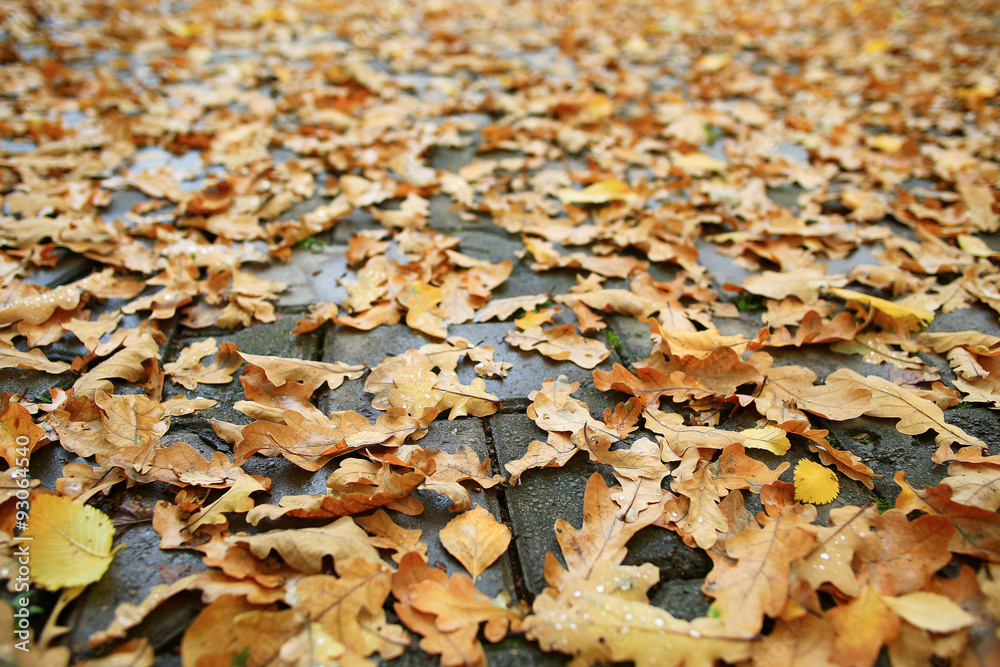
311,275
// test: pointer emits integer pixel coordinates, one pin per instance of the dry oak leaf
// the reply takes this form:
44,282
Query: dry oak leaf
721,372
383,312
815,483
11,357
19,435
384,488
423,311
458,604
915,414
787,389
554,453
310,446
464,465
464,400
801,642
280,370
126,364
911,552
189,372
751,579
504,308
180,464
619,300
71,542
561,343
805,283
846,462
599,541
457,648
851,530
709,483
384,533
40,307
677,438
406,381
319,314
977,530
231,627
554,409
133,427
860,628
607,618
235,499
476,539
874,348
305,548
650,384
268,398
177,406
349,607
976,486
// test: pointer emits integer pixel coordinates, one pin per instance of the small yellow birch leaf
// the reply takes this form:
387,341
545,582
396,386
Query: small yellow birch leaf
930,611
771,438
71,542
890,308
815,483
610,189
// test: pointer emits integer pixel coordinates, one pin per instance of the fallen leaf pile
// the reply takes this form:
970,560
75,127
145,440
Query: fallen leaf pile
698,204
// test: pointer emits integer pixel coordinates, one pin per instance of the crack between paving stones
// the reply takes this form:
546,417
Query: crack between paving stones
520,583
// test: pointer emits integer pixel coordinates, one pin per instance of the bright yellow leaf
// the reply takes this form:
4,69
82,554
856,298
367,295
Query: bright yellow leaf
771,438
70,542
890,308
610,189
887,142
713,62
880,45
815,483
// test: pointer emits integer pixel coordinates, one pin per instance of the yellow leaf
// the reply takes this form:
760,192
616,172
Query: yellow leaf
930,611
713,62
771,438
880,45
887,143
71,542
610,189
814,483
476,539
975,246
890,308
599,107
